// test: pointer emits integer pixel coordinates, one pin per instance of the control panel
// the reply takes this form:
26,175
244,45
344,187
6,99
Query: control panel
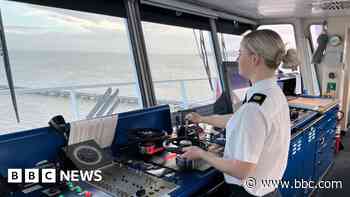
86,155
62,189
121,180
79,189
299,117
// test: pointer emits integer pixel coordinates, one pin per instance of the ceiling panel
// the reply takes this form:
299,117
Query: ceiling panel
258,9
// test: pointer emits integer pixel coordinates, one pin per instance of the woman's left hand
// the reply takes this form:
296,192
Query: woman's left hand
192,153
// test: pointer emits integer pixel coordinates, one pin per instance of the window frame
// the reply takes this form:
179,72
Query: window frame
292,24
72,95
310,36
118,9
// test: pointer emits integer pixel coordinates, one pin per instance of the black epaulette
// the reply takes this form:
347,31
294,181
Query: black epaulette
257,98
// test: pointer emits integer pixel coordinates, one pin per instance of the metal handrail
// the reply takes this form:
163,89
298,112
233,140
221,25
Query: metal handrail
77,87
71,91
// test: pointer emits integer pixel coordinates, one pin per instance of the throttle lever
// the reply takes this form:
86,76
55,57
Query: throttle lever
177,150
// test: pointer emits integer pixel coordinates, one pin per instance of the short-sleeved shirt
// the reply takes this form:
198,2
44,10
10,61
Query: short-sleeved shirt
259,133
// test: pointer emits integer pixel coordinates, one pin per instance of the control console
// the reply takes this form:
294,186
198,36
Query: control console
299,117
121,180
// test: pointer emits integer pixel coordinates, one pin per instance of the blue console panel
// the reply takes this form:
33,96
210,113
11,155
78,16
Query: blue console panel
311,151
28,148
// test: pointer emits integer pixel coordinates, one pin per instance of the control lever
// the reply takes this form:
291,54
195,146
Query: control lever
177,150
187,122
60,126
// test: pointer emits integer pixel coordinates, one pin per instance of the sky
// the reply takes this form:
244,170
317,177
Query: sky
32,27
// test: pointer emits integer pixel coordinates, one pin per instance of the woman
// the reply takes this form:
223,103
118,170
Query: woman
258,133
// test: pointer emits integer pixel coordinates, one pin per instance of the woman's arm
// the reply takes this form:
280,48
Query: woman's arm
219,121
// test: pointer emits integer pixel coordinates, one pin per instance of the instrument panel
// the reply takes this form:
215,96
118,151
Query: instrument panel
121,180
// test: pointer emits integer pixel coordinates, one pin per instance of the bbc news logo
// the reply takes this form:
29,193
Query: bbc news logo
50,175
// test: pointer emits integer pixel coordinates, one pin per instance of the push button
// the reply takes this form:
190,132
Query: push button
78,189
70,185
88,194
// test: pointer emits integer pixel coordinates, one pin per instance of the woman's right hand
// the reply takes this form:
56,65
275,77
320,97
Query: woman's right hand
194,117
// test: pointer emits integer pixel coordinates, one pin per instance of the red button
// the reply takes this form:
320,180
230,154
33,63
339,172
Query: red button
88,194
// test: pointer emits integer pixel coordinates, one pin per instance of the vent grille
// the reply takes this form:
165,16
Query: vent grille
332,5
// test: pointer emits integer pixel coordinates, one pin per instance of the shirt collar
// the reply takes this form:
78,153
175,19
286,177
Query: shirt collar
264,84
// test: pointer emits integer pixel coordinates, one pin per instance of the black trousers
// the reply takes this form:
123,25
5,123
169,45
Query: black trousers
238,191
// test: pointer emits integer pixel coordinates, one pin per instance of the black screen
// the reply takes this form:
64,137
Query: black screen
288,85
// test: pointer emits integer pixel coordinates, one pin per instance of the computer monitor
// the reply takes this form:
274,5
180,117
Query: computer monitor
289,84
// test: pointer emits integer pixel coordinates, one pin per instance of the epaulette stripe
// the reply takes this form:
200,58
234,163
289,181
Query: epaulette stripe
257,98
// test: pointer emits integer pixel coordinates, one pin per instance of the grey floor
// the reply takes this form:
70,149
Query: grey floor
340,171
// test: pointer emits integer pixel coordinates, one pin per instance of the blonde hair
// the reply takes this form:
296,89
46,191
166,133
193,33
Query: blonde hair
269,45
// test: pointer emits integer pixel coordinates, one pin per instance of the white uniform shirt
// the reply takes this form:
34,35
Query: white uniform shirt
260,134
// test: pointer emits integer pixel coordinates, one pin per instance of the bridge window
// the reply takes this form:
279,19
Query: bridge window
286,31
315,31
182,64
229,45
63,61
230,35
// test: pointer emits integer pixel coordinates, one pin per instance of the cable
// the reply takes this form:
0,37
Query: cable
201,48
224,50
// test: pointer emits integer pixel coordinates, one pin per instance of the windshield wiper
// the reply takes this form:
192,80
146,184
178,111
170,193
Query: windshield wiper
4,53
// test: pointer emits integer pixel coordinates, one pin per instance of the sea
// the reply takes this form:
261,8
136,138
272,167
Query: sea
59,71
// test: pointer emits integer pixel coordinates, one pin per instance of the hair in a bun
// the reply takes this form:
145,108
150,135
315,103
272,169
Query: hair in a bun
269,45
290,59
